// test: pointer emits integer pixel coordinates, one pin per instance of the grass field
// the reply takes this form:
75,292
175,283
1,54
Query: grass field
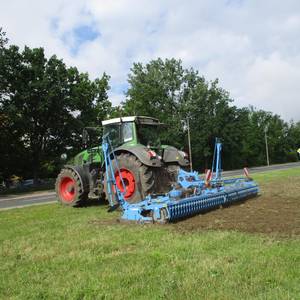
54,252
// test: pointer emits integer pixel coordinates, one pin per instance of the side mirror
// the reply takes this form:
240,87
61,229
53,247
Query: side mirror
85,137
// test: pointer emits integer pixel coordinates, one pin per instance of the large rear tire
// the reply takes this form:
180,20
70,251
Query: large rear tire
138,178
69,189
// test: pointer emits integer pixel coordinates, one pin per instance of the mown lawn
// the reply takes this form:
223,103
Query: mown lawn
54,252
279,175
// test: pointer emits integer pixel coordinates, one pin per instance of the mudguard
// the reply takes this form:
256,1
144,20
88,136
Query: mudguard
172,155
141,152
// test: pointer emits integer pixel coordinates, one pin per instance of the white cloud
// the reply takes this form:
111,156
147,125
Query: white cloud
116,98
251,46
274,82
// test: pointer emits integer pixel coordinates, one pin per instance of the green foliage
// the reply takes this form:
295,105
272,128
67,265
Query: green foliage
156,89
168,91
3,38
164,89
44,106
293,135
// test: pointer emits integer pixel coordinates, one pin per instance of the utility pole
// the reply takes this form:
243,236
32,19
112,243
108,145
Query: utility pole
267,148
189,141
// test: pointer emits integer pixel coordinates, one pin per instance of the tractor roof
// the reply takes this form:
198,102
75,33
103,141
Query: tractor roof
137,119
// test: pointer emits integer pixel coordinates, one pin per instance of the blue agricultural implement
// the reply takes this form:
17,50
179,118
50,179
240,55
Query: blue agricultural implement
189,196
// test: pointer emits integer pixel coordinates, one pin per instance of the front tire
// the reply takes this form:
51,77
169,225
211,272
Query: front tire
69,189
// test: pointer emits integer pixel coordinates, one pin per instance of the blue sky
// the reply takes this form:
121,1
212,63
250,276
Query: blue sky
251,46
81,34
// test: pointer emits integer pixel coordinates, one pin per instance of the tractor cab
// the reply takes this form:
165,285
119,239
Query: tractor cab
131,131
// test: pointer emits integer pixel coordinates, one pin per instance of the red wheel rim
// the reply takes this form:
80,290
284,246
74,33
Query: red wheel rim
129,181
67,189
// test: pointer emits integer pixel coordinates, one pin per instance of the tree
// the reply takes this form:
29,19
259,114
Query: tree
44,106
293,136
210,114
164,89
3,38
155,90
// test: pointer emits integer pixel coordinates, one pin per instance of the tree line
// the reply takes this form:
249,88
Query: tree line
44,106
165,89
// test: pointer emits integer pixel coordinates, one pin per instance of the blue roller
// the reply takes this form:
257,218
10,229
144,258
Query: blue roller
192,197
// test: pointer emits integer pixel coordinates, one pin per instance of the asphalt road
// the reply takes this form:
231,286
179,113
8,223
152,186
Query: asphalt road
263,169
38,198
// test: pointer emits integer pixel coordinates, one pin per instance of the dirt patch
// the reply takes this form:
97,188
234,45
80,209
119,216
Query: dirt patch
276,211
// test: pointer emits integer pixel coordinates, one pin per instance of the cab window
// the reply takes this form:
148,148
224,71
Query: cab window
119,133
127,132
114,134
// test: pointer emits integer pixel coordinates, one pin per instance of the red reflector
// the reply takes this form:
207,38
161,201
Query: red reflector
208,175
152,154
246,172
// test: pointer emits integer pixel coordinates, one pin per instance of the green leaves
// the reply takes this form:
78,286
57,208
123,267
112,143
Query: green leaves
44,106
166,90
47,105
3,38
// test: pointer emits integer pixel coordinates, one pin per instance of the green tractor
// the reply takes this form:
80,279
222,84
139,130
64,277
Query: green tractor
145,165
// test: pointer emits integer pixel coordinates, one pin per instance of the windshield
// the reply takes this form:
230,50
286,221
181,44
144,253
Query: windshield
148,135
119,133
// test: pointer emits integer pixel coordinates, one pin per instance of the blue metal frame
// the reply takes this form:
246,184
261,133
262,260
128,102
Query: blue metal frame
110,175
217,164
174,205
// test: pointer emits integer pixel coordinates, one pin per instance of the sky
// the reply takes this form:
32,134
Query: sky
253,46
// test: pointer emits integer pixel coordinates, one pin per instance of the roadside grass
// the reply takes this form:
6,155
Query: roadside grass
54,252
277,175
